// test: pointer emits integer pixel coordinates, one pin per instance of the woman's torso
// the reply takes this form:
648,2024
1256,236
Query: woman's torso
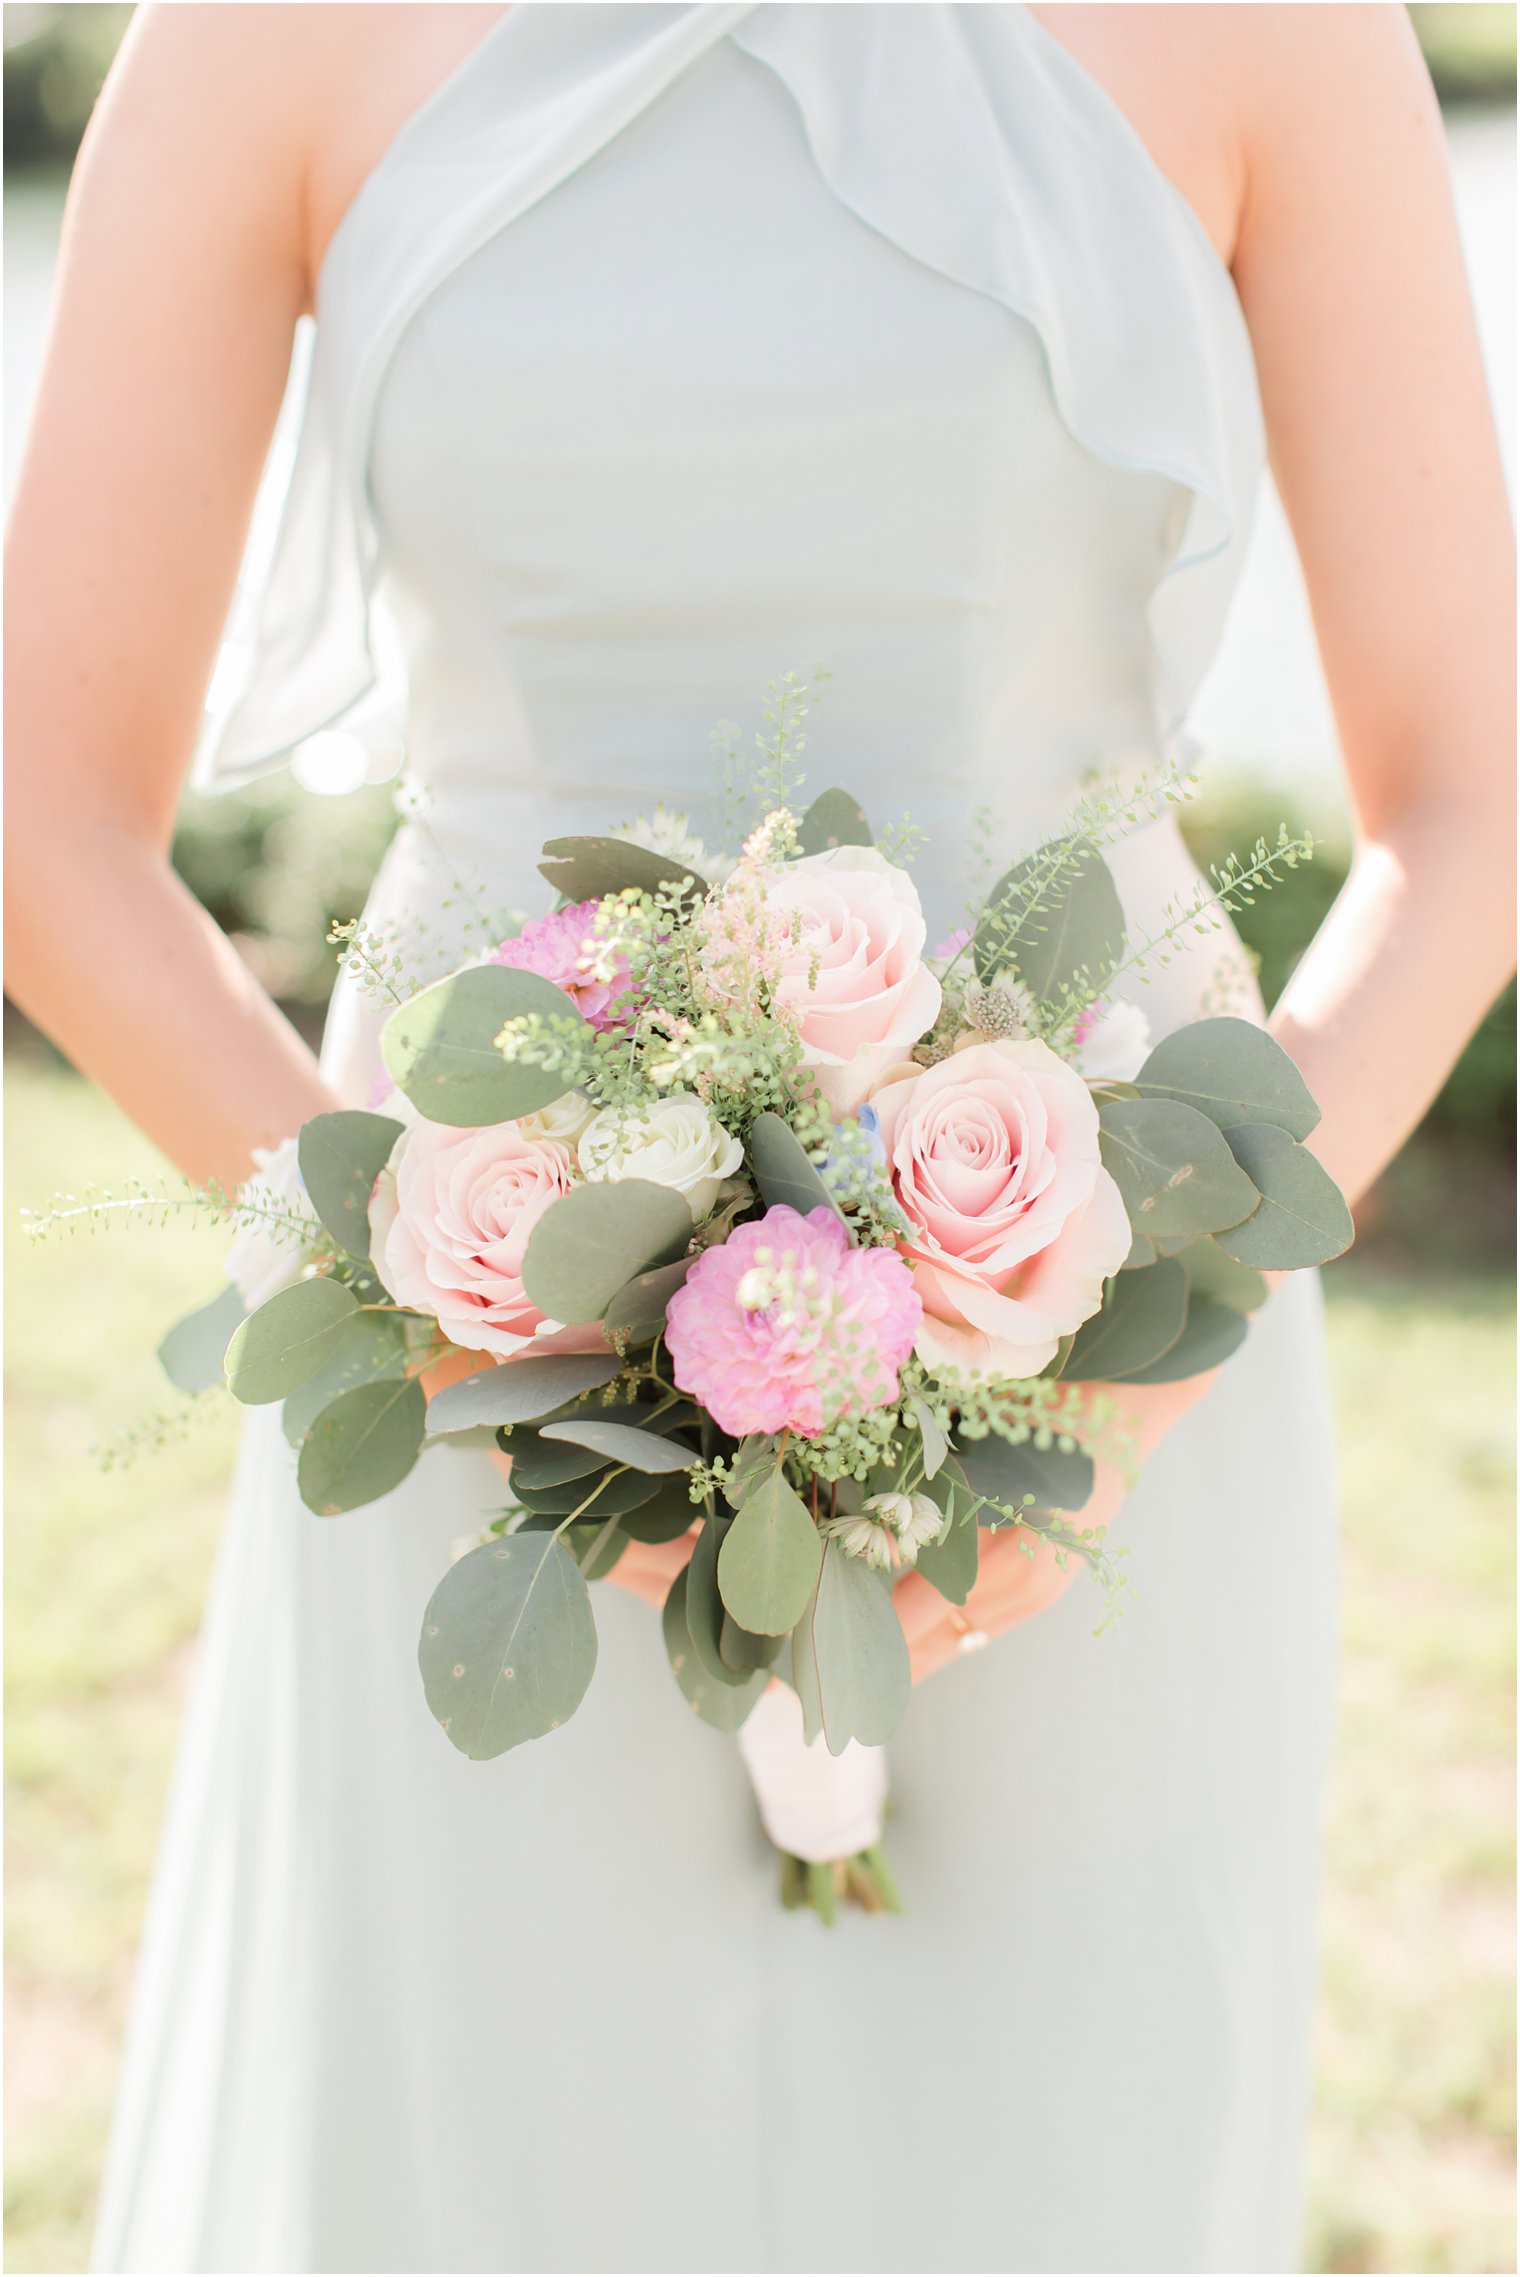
694,345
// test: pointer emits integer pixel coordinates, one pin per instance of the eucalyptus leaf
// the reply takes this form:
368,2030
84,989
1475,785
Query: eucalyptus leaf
1142,1252
193,1355
373,1346
1173,1169
620,1443
704,1603
1055,1478
666,1516
935,1445
508,1645
637,1312
617,1491
754,1458
1073,937
1233,1072
1212,1333
950,1564
1141,1317
781,1169
596,1549
1303,1218
341,1155
724,1703
540,1466
587,869
1211,1274
833,819
768,1564
744,1652
590,1243
849,1656
287,1340
440,1047
361,1446
518,1391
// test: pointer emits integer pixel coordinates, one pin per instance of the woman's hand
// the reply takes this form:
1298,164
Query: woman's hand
1012,1585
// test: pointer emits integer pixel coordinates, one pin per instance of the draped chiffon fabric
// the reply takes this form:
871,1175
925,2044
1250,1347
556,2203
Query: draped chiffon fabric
665,349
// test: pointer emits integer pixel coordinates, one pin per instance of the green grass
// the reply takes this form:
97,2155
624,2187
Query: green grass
1412,2154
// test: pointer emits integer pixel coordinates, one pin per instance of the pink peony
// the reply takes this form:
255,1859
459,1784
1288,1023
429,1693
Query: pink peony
786,1326
564,947
450,1218
994,1160
855,973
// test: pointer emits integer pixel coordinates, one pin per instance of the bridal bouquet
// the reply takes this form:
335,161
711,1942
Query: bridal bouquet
718,1207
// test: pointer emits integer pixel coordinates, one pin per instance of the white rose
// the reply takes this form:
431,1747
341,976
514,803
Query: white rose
264,1258
1114,1048
673,1142
565,1118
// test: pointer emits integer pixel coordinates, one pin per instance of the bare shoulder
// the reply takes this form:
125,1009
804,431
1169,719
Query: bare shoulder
270,116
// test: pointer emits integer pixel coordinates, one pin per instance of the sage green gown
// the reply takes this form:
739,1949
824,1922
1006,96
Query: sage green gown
667,348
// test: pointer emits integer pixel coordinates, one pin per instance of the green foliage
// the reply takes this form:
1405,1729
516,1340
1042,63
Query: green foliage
1055,922
584,869
1173,1167
769,1560
520,1391
1302,1218
1141,1318
849,1657
362,1445
372,1347
1211,1332
440,1046
341,1155
287,1340
194,1353
704,1602
782,1170
508,1645
1233,1072
835,818
636,1314
621,1443
1026,1477
950,1564
593,1241
722,1701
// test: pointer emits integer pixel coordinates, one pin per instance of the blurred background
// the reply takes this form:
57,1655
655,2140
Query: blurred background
1414,2123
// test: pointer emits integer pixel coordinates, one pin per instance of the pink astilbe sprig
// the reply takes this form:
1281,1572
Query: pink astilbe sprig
786,1326
741,932
566,948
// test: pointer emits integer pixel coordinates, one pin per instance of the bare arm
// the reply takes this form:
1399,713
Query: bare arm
1383,446
182,275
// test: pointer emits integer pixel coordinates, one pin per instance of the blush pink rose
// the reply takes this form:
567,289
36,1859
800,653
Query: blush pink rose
994,1159
856,970
450,1218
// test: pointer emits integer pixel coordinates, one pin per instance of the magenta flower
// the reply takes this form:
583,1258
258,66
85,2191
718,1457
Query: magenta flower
564,947
785,1326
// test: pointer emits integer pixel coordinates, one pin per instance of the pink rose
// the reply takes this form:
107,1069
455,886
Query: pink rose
855,972
450,1218
994,1160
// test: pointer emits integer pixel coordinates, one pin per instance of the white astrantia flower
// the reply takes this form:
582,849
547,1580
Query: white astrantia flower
913,1518
668,832
672,1142
1113,1044
863,1537
265,1258
565,1118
